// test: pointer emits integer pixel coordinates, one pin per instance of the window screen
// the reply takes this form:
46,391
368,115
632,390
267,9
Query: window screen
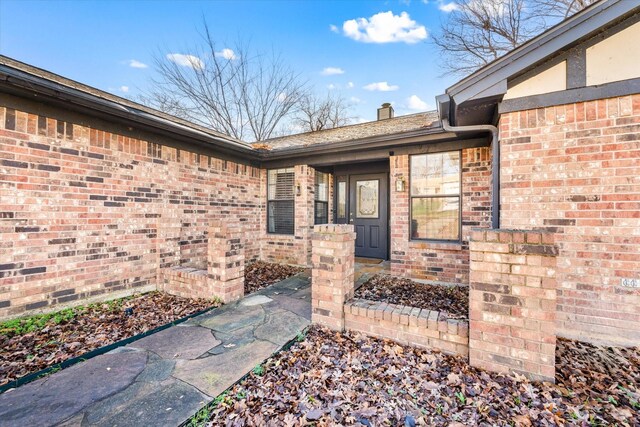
435,196
280,201
321,202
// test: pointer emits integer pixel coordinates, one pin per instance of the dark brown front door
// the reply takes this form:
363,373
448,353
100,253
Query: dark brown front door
368,213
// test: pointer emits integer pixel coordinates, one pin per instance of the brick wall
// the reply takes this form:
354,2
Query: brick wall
575,169
408,325
447,262
332,274
87,210
512,302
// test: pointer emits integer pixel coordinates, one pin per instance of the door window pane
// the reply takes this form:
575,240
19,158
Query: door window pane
342,200
321,202
367,199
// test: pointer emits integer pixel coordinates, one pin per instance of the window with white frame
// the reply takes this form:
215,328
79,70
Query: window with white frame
435,196
281,201
321,202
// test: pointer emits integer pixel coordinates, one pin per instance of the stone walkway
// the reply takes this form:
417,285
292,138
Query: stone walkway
166,377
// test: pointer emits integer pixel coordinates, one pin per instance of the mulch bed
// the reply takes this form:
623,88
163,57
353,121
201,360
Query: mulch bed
350,379
260,274
31,344
453,300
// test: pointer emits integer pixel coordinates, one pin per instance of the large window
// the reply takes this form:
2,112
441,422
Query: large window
435,196
280,201
321,202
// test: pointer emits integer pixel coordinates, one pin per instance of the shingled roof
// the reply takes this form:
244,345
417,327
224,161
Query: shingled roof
355,132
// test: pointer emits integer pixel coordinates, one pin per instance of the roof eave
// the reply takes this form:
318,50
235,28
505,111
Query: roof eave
23,82
491,80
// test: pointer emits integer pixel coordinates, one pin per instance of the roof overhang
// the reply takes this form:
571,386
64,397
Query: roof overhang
48,91
474,99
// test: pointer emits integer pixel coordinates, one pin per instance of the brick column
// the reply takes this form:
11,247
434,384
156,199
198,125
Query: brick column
512,302
225,261
332,274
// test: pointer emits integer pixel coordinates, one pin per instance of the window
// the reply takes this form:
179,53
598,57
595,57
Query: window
435,196
321,203
280,201
341,200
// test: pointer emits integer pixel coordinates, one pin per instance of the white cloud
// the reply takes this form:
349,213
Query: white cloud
385,27
416,104
331,71
227,54
133,63
124,89
186,60
381,87
448,7
334,28
331,86
355,100
282,97
350,85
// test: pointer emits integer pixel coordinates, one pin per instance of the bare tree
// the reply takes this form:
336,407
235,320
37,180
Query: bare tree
479,31
315,113
239,92
562,8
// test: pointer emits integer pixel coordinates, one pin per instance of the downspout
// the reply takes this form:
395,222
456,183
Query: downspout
495,163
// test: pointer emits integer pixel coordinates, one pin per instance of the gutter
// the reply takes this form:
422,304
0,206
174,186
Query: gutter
495,163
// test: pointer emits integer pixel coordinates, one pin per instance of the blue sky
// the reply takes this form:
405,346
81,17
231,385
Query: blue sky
366,43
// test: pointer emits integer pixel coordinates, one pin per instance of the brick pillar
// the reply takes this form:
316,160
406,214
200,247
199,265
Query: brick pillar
225,261
512,302
333,253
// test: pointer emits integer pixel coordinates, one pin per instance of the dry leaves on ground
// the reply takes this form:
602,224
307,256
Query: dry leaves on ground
82,329
349,379
394,290
260,274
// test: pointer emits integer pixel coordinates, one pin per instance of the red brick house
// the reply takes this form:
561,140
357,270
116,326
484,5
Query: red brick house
98,193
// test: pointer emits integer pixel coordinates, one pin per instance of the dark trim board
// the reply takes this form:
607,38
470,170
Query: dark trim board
570,96
364,156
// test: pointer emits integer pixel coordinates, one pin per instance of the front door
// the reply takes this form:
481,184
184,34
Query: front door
368,213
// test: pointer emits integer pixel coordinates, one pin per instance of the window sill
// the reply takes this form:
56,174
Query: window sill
425,244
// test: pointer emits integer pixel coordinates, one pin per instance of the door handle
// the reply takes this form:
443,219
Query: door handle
351,217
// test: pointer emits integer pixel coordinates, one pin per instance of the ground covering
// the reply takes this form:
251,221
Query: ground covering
453,300
331,378
30,344
260,274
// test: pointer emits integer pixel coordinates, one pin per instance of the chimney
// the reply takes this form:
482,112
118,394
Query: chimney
385,112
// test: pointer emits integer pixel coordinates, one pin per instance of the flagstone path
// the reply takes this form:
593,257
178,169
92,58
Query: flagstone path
164,378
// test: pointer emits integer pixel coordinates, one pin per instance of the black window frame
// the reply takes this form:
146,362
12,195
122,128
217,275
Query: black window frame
439,196
323,204
282,201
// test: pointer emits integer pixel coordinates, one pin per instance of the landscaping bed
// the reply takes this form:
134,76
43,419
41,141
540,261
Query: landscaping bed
349,379
260,274
34,343
453,300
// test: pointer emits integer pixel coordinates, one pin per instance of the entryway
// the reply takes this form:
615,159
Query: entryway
362,199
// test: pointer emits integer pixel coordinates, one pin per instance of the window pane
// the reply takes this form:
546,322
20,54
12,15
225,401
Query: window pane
367,199
342,199
281,183
322,186
435,218
435,174
321,214
280,217
280,196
